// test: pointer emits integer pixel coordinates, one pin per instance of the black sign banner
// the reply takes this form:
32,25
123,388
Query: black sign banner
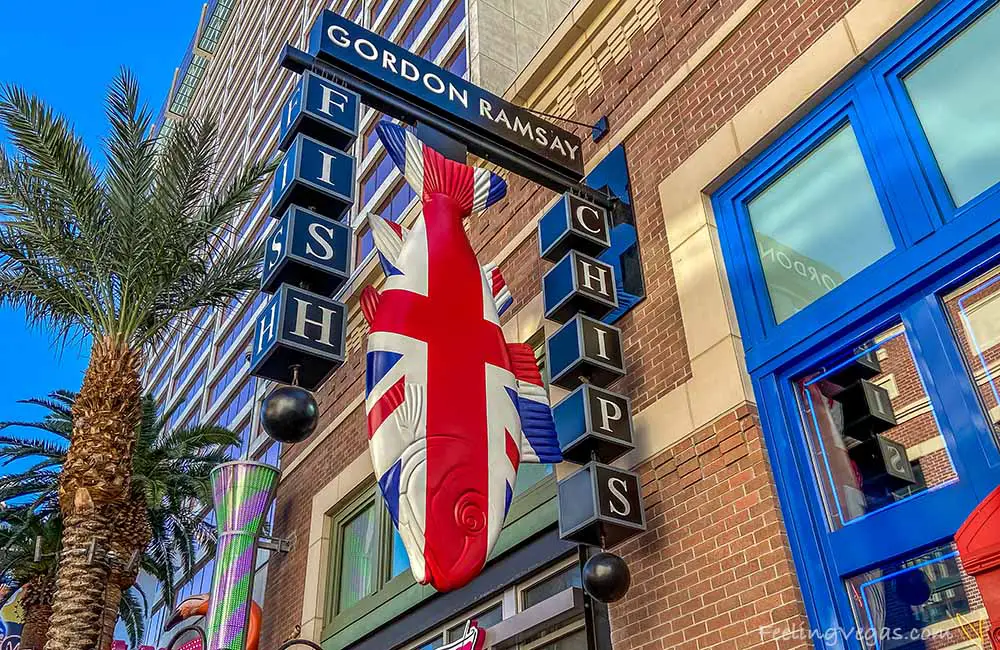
337,41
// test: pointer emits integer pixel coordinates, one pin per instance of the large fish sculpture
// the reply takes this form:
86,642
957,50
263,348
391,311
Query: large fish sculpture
453,409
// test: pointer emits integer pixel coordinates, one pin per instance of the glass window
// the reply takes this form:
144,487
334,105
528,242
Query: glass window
365,245
485,619
554,584
817,225
974,310
358,557
528,474
400,562
955,96
459,63
417,25
433,644
872,431
926,601
574,641
370,551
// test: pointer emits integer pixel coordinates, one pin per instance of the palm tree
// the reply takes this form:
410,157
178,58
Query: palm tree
170,491
119,254
20,528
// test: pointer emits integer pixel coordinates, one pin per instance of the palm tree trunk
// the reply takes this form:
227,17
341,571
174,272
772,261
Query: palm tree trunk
94,484
36,626
79,598
112,603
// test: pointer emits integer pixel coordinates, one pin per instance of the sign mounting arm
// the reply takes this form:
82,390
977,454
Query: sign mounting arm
298,61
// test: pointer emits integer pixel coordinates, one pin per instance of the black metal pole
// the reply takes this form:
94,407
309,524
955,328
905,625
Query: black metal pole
595,613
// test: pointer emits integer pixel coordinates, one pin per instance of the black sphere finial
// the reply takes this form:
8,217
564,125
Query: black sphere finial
289,414
606,577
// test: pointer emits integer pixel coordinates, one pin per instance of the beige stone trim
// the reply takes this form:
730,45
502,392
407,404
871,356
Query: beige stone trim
925,448
324,504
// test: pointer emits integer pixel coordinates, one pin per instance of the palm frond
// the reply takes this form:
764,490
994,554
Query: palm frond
126,252
171,470
132,613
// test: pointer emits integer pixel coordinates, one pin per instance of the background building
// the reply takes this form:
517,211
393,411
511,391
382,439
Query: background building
231,72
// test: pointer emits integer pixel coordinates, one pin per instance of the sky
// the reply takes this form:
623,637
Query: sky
67,52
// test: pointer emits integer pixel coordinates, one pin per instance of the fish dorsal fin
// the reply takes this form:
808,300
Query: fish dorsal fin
498,285
428,172
388,238
539,444
369,303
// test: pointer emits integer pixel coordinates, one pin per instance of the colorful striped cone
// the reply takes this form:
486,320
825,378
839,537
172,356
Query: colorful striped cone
243,492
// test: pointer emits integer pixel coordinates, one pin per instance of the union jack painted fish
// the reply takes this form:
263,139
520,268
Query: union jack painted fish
453,409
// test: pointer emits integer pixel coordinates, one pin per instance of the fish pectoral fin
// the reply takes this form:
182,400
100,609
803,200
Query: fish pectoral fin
388,238
498,286
369,303
539,444
412,412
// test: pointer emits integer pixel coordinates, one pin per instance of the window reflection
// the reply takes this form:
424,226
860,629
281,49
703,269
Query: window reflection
817,225
974,311
433,644
955,96
872,431
400,561
485,619
568,577
358,554
922,603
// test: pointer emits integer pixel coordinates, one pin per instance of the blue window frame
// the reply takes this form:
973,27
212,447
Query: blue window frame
945,231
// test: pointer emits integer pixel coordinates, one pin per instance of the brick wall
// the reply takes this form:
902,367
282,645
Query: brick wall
713,568
286,573
715,563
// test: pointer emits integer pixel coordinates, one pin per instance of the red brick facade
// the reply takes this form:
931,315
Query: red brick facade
714,569
714,565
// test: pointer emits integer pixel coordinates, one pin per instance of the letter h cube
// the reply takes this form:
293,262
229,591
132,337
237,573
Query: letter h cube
299,330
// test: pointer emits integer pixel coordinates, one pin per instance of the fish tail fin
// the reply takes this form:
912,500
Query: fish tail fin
540,444
498,285
428,172
369,303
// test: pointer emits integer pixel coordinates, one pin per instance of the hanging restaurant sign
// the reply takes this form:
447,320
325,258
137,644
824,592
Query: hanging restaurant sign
453,408
413,80
299,336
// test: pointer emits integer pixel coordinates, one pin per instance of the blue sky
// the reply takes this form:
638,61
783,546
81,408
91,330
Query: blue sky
67,52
